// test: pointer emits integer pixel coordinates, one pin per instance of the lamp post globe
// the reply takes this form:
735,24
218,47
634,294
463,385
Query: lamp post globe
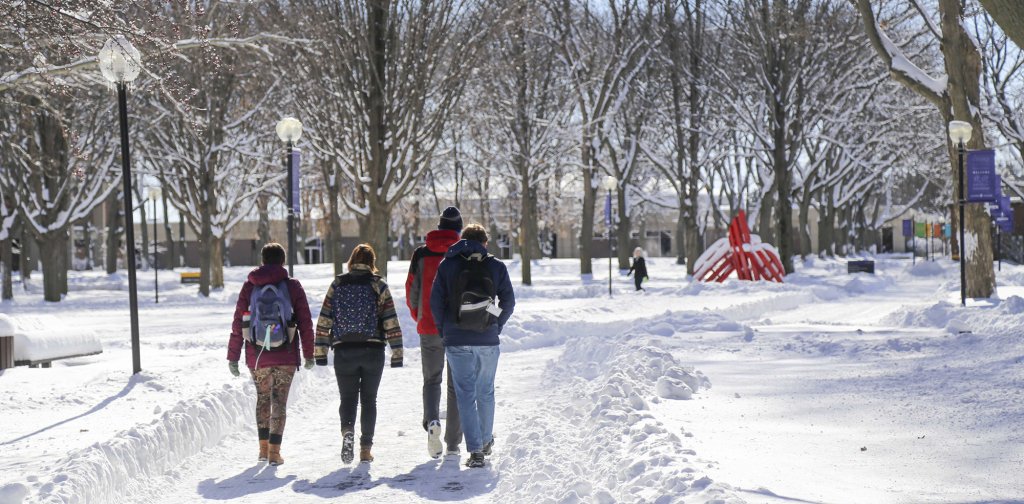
610,183
120,63
119,60
960,133
289,129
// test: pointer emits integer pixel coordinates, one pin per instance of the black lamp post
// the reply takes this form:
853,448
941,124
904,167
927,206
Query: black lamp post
289,130
960,133
610,183
120,64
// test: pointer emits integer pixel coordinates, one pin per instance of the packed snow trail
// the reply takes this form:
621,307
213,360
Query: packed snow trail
401,471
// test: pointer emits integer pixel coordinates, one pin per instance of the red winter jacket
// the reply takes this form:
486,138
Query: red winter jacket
272,274
421,277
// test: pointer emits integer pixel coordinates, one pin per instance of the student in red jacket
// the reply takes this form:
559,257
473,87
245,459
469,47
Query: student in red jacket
417,296
271,353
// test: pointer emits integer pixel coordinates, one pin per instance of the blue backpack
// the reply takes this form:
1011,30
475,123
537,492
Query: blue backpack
270,320
354,304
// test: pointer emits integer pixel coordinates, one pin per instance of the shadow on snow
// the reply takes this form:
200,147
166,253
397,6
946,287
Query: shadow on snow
435,480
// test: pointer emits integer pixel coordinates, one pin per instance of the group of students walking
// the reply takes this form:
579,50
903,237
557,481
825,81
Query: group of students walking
460,297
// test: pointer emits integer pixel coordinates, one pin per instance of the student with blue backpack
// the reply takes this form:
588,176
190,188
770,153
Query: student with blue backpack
271,308
471,300
357,319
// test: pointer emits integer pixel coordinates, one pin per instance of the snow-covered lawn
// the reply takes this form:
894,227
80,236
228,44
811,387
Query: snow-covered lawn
829,388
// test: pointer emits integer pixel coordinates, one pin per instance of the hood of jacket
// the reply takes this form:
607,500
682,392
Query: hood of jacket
439,240
466,248
268,274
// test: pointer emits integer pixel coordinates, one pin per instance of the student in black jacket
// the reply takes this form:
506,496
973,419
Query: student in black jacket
640,267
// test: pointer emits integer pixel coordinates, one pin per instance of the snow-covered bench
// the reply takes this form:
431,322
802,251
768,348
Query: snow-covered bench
40,340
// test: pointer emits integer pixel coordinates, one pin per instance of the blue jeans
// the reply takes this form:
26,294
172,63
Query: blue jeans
473,369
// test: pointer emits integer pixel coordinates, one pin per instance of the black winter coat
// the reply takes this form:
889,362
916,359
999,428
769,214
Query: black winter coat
639,266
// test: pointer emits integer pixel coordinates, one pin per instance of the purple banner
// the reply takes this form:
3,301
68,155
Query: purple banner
908,227
981,170
296,178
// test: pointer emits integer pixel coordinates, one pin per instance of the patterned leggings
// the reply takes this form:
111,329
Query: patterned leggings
272,386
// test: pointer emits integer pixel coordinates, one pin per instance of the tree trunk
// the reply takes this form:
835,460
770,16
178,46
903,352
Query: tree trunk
963,67
7,260
527,222
263,227
805,226
205,251
765,229
783,186
54,264
28,255
167,232
334,233
587,219
146,262
681,249
181,242
217,263
373,229
113,232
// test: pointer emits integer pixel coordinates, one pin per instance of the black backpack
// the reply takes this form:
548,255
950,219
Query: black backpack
473,295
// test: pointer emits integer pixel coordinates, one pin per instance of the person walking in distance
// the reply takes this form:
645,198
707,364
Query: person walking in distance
639,267
422,270
270,308
357,319
471,300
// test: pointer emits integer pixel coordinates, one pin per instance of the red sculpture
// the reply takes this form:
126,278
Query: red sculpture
741,253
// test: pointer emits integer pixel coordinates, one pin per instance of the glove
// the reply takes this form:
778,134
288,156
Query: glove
396,357
309,363
233,367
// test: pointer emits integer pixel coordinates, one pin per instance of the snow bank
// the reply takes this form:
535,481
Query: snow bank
619,451
123,469
42,337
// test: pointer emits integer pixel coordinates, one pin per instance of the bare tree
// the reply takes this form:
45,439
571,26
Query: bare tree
603,50
395,69
957,95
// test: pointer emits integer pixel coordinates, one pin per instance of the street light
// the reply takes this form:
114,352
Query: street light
154,195
960,132
289,130
610,183
120,63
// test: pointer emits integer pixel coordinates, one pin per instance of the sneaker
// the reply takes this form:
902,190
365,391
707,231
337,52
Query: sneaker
476,460
347,447
487,448
452,451
434,439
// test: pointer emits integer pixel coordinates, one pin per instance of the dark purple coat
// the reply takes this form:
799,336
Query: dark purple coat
272,274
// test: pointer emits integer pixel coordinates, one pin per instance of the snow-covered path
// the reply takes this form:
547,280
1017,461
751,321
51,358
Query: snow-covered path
590,391
401,471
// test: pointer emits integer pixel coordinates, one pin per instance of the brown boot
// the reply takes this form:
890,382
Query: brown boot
274,455
264,450
364,454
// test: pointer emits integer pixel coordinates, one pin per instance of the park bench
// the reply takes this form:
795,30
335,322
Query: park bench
37,341
864,266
